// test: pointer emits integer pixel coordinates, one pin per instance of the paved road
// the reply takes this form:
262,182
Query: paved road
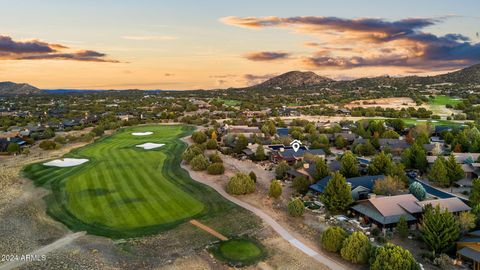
44,250
334,265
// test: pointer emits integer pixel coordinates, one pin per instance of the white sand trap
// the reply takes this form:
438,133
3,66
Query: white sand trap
421,120
66,162
142,133
434,121
148,146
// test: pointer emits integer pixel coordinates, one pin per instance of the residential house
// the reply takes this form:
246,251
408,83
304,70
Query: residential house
361,186
468,250
394,146
281,152
385,212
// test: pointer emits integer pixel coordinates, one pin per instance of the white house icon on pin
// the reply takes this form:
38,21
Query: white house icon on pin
296,145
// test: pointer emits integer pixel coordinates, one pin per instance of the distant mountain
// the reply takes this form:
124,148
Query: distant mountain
10,88
294,79
467,75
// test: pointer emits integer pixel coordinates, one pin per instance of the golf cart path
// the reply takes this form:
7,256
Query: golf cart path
67,239
334,265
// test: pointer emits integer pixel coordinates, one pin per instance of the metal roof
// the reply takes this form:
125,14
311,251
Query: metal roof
470,253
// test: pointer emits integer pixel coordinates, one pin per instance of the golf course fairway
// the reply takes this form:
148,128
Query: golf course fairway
126,191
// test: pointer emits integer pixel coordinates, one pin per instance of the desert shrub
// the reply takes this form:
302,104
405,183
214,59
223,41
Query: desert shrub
253,176
199,163
275,189
199,137
60,140
212,144
215,158
191,152
332,238
240,184
215,168
48,145
296,208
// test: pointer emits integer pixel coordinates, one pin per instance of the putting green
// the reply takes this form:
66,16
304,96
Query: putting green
239,252
124,190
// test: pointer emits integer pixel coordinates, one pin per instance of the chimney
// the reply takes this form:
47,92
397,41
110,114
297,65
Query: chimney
282,149
372,195
306,165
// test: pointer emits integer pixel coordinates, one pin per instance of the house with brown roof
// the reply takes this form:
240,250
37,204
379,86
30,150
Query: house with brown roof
385,212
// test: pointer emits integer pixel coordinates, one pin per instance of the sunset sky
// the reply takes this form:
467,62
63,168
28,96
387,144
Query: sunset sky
144,44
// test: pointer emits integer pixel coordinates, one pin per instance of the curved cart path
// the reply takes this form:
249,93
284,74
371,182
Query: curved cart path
67,239
330,263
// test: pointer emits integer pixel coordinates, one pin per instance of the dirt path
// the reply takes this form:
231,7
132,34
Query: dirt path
208,229
44,250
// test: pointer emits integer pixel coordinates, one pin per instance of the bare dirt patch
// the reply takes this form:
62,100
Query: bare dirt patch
394,102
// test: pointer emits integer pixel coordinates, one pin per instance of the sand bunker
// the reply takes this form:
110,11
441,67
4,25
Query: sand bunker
148,146
142,133
66,162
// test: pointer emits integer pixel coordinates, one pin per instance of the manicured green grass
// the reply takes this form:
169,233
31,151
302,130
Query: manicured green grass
239,252
444,100
439,122
231,102
125,191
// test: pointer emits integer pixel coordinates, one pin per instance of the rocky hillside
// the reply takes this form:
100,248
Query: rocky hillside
10,88
467,75
294,79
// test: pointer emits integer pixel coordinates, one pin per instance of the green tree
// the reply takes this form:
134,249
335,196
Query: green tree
199,137
240,184
390,134
296,208
340,142
474,197
415,157
398,170
402,227
454,170
393,257
321,169
260,153
275,189
466,221
380,164
356,248
269,128
13,148
240,144
439,229
438,173
332,238
281,169
199,163
301,184
418,191
337,195
349,165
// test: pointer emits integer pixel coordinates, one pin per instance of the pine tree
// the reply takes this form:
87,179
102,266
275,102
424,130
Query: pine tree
296,208
393,257
438,173
337,195
474,197
275,189
439,229
260,153
356,248
402,227
332,238
454,170
321,169
380,164
349,165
